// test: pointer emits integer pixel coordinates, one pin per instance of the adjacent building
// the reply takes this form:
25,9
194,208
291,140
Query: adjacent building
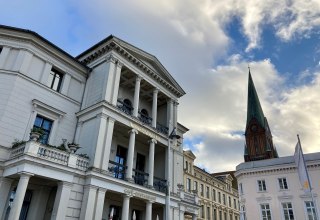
217,194
117,103
269,186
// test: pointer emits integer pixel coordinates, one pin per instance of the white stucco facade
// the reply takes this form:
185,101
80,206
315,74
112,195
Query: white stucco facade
270,189
118,103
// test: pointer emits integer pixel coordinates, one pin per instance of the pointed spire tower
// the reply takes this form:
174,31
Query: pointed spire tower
259,145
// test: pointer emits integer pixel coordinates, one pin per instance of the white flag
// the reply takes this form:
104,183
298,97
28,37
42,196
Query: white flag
302,169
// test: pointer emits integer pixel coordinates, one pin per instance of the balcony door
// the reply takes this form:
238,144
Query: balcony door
121,159
139,173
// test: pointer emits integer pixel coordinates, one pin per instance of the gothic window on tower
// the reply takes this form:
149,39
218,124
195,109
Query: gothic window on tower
256,145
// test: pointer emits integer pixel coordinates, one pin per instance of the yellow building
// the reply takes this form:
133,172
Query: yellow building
218,197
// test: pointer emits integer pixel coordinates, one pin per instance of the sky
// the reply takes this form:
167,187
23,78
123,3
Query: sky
207,46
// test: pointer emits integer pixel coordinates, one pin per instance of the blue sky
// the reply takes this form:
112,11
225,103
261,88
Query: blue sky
207,46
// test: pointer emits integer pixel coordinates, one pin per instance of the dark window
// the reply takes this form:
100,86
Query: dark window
25,204
46,125
55,79
115,211
140,177
0,49
121,157
137,214
128,106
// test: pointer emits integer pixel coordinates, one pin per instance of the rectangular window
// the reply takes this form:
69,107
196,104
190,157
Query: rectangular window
46,125
231,218
224,199
234,203
201,190
225,215
188,185
311,211
195,186
208,192
265,211
240,188
214,214
214,194
220,215
208,213
283,183
55,79
287,211
119,165
202,211
262,186
219,197
0,49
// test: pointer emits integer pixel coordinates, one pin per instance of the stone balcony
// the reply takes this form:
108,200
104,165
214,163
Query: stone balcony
35,149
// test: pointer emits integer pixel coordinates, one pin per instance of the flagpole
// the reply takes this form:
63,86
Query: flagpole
310,185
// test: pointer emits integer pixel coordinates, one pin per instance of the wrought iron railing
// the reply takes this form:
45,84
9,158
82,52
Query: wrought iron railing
162,129
124,107
145,118
118,170
140,177
160,184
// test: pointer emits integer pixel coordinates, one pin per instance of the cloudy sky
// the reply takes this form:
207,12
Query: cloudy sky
207,46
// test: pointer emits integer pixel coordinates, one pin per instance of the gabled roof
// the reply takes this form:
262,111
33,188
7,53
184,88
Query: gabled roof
144,60
190,154
254,109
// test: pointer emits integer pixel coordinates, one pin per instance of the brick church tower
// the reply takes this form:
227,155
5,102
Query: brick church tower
259,145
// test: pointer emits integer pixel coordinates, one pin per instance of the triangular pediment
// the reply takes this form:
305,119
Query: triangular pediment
189,153
142,59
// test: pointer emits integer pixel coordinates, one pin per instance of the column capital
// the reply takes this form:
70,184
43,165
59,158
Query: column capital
111,119
25,174
127,196
138,78
111,58
119,64
102,115
170,100
89,186
133,131
102,190
155,90
152,141
80,123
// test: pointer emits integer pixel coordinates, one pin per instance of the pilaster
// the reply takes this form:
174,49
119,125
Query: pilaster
133,133
61,201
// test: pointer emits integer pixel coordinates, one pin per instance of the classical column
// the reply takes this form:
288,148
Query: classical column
5,186
125,207
109,80
100,203
107,144
101,132
133,133
149,210
116,83
19,197
38,205
170,115
136,96
175,113
88,202
152,143
154,107
61,201
182,215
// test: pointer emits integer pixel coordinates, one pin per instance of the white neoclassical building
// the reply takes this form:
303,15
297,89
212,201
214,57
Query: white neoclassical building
271,190
118,103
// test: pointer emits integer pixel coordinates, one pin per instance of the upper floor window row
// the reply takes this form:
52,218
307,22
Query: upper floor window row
55,79
283,183
262,185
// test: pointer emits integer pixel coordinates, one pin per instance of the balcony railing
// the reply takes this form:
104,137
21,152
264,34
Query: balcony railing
124,107
145,118
51,154
118,170
140,177
162,129
160,184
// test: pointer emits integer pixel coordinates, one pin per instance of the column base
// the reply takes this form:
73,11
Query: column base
150,187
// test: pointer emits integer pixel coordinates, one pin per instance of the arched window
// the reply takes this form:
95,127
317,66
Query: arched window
127,106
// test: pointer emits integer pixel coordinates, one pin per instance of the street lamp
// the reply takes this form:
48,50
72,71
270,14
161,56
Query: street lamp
172,136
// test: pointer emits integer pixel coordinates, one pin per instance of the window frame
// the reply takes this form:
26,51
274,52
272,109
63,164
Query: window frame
313,209
263,185
282,181
53,77
262,217
286,210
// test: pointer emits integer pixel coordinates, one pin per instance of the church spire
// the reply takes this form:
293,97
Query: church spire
259,143
254,109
